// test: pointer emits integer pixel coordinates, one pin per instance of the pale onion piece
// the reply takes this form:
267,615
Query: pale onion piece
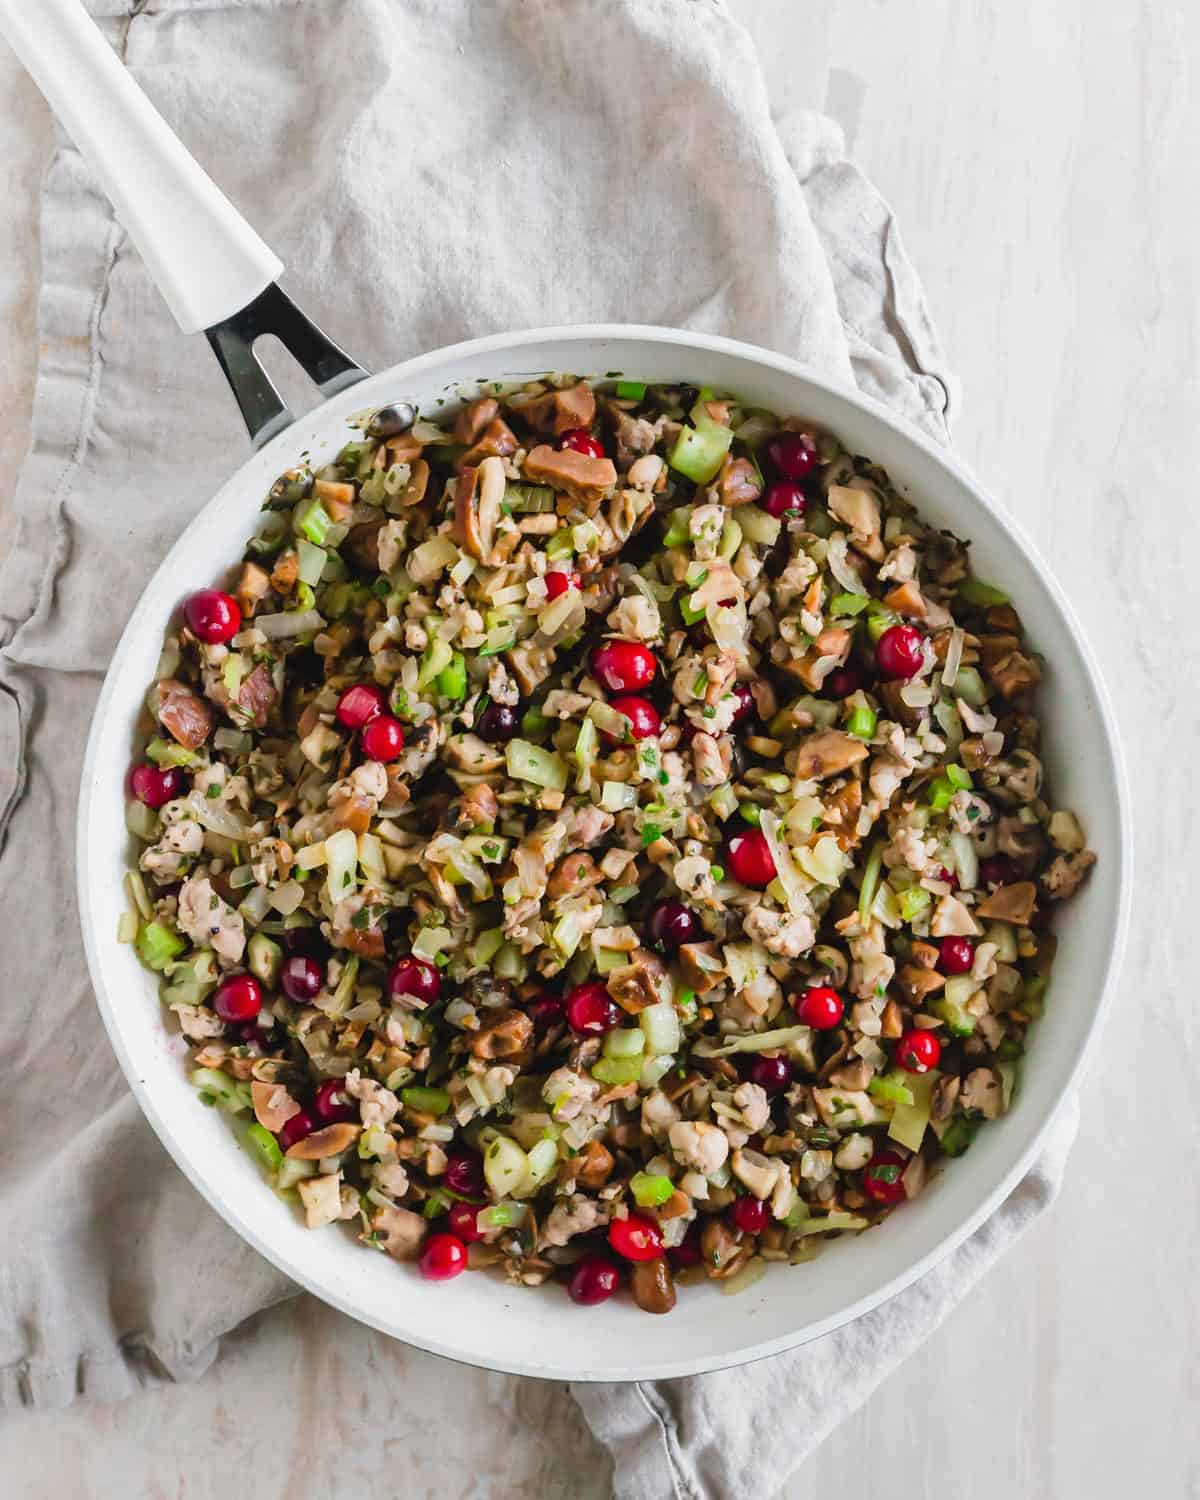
430,558
953,657
661,1025
758,1041
542,1159
287,898
341,857
431,941
824,861
311,856
916,694
992,742
785,870
505,1166
290,622
966,860
746,963
370,856
841,567
217,818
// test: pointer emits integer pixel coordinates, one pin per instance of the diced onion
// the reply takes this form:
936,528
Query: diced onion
290,622
953,656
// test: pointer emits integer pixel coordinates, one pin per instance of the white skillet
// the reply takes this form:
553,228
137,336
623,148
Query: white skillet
217,275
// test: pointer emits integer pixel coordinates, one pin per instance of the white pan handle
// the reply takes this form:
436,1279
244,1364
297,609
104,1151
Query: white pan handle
206,260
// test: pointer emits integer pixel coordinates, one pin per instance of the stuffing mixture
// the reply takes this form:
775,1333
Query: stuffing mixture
601,834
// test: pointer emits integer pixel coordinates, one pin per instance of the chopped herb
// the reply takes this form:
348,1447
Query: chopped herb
650,834
212,793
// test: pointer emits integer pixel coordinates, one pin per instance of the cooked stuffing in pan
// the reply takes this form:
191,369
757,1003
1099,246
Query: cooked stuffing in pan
601,834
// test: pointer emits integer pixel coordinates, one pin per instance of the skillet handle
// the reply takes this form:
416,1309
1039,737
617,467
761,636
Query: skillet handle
213,270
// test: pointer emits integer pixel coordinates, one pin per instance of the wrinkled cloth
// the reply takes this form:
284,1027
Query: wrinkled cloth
430,170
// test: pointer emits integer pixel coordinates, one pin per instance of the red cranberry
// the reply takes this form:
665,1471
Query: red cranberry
843,682
624,666
442,1258
643,717
295,1129
594,1279
383,738
238,997
956,955
949,877
918,1051
497,723
772,1074
333,1104
557,583
464,1173
463,1219
748,1215
998,869
156,788
748,856
819,1007
881,1179
794,454
898,651
359,704
580,440
689,1253
746,706
591,1010
670,924
413,976
546,1011
784,498
636,1238
301,978
212,617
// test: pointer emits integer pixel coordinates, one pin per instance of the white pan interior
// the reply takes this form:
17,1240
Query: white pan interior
478,1318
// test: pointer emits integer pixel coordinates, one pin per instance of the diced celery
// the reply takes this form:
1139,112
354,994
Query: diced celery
758,526
690,616
970,687
534,723
127,927
157,944
958,1135
219,1088
428,1101
750,813
630,390
654,1070
862,722
437,656
699,452
731,540
661,1027
452,680
561,545
311,520
142,821
341,860
312,562
723,801
892,1087
959,778
974,591
909,1120
847,604
879,619
959,1022
617,1070
913,902
294,1169
486,946
678,534
528,762
263,958
941,793
608,959
1008,1082
650,1189
165,753
264,1146
543,1159
625,1041
586,745
870,883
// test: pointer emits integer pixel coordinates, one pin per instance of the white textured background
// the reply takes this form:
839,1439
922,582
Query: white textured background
1043,158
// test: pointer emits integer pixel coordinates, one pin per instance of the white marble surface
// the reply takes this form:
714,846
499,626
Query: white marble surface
1043,157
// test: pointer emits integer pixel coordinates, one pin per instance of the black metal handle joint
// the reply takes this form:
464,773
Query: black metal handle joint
329,368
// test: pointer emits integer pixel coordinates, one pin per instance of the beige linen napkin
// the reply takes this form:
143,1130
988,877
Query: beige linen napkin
430,170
